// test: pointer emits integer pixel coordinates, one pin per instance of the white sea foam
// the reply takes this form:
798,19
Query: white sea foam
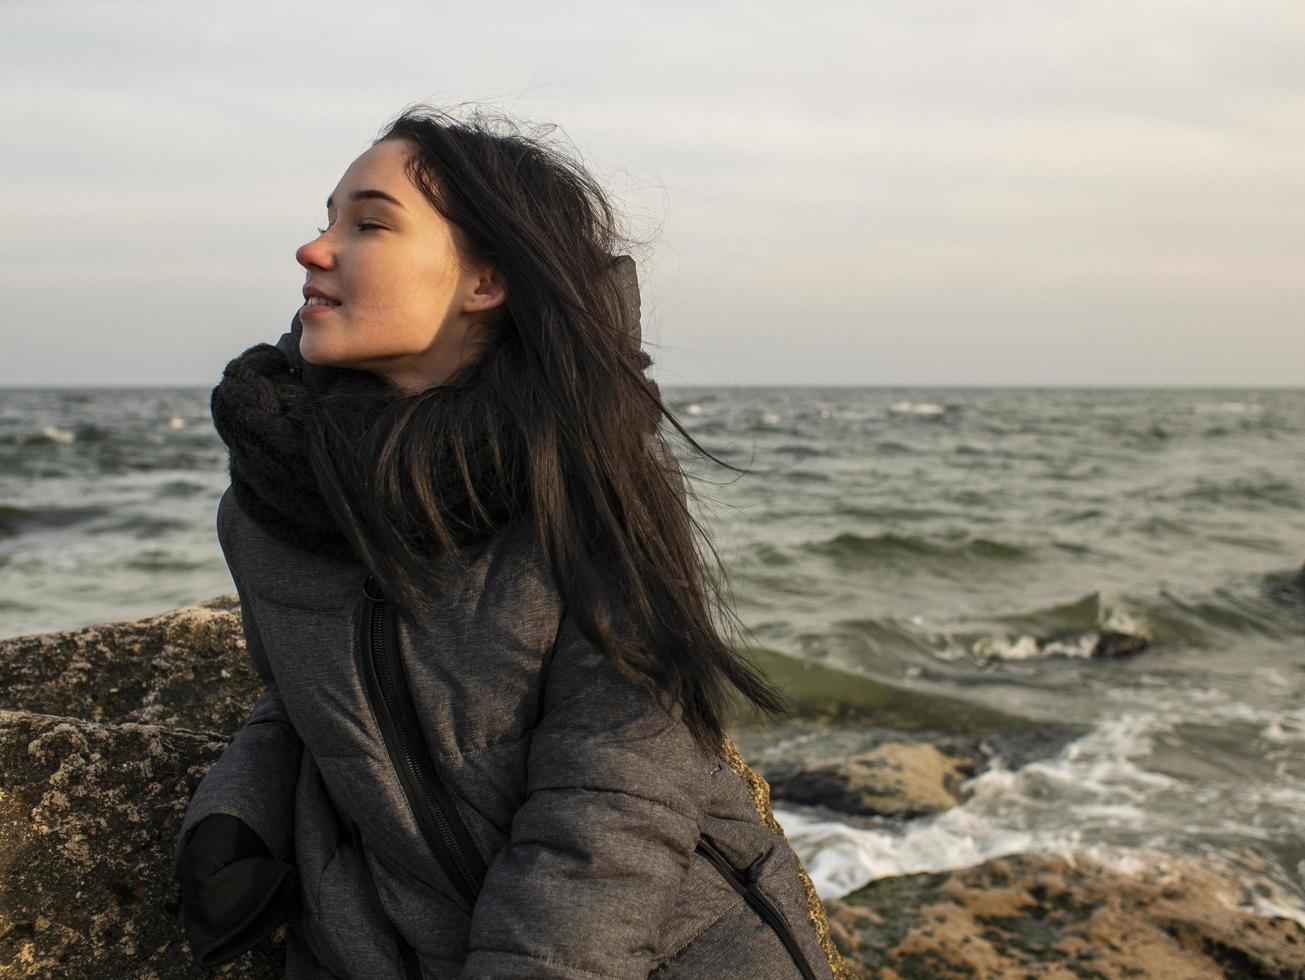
1047,806
1028,647
1286,727
840,859
1231,408
917,408
55,434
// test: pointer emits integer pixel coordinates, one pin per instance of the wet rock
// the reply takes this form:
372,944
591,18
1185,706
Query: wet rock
896,779
1037,916
1119,644
885,773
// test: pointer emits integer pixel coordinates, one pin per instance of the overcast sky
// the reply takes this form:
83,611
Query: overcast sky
908,192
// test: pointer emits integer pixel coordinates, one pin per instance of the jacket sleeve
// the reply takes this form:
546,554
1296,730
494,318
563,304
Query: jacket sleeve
254,779
601,844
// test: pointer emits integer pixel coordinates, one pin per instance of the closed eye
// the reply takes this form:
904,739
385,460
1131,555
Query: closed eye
364,226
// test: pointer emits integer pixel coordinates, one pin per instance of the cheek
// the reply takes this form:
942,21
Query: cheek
426,288
404,279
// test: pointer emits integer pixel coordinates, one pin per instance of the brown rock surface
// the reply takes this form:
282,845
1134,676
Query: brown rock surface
185,668
88,816
877,772
1033,916
896,779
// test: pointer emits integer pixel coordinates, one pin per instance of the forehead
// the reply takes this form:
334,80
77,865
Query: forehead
382,167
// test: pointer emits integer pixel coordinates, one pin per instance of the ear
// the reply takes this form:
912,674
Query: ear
487,291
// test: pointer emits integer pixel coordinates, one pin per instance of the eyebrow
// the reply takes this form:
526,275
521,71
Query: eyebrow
369,193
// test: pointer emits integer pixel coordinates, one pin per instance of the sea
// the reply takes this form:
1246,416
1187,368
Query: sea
966,550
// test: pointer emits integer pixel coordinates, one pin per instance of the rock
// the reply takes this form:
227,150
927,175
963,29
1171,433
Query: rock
88,816
1036,916
186,668
877,772
1113,644
896,779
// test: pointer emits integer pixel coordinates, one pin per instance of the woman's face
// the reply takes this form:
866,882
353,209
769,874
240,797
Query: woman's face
403,303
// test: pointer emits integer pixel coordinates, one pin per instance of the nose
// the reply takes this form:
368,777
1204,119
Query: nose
315,253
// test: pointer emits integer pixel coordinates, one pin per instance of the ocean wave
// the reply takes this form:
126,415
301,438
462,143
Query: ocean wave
850,547
1228,408
181,488
828,693
1096,625
1263,606
15,520
162,560
800,450
139,526
1107,624
889,447
1269,490
49,435
932,409
891,512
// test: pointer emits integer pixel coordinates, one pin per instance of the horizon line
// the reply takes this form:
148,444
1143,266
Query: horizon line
1087,386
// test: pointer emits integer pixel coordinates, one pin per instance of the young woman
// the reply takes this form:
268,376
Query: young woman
489,742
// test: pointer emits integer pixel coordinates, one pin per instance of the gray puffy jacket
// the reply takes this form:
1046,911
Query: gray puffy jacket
612,846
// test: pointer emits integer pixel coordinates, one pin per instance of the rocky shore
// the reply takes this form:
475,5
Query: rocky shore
106,731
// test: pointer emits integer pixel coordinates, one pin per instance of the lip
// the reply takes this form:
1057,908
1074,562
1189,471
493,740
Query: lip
310,291
314,309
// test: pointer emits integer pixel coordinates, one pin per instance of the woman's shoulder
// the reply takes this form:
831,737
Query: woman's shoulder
493,579
273,567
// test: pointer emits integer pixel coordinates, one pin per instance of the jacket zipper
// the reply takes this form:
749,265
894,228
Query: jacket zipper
759,902
431,804
411,965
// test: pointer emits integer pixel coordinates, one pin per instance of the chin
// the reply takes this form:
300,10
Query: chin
317,354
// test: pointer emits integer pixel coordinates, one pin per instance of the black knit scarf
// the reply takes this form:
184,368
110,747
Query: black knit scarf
263,409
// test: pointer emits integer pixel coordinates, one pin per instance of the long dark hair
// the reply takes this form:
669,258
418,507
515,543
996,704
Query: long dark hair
577,425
